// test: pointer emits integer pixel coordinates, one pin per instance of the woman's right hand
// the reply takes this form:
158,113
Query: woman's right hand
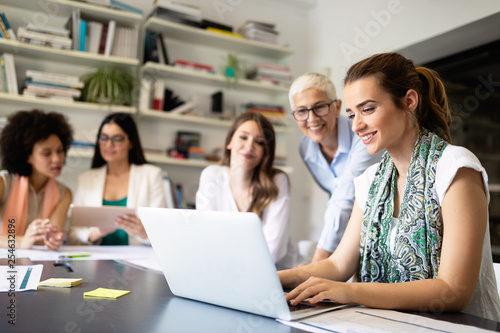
35,233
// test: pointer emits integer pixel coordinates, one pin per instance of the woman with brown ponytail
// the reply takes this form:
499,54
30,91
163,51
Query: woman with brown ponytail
246,181
419,226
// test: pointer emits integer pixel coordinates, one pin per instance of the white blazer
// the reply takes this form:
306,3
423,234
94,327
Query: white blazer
145,189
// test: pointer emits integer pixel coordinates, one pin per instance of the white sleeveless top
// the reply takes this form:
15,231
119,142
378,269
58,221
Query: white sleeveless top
485,301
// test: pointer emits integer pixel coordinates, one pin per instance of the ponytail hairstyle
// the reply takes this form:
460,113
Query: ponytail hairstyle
264,189
397,75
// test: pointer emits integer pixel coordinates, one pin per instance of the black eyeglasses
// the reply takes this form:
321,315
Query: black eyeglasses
115,139
320,110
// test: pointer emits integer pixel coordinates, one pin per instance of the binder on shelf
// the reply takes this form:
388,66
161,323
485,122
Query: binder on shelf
10,74
158,95
94,36
83,35
3,76
110,35
104,34
73,25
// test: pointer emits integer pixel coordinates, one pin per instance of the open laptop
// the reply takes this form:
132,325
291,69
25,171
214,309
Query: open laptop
103,217
220,258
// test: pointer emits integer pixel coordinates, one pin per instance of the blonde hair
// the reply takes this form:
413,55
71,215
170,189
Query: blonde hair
311,80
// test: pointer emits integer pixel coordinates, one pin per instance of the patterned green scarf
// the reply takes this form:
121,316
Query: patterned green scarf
417,249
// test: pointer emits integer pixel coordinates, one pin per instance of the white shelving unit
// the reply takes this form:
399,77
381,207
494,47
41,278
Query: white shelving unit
216,40
170,72
161,159
85,117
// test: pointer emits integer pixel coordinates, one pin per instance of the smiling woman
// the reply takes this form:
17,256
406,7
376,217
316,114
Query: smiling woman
30,197
120,176
418,236
247,182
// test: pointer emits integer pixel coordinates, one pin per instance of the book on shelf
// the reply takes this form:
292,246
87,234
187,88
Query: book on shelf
6,28
104,34
185,140
259,31
145,94
173,103
194,66
123,6
224,32
174,16
83,35
9,74
52,86
221,26
48,30
162,49
110,35
155,48
94,36
178,7
72,81
125,42
42,38
158,95
275,113
73,25
269,73
168,187
97,2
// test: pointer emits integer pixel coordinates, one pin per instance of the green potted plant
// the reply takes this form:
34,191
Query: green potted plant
234,68
109,85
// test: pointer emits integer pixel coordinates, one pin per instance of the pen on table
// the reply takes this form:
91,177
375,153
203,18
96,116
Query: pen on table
74,256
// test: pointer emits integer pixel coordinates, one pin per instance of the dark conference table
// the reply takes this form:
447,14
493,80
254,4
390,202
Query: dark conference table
149,307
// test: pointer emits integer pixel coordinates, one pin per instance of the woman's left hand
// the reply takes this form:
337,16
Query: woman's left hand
318,289
53,238
132,225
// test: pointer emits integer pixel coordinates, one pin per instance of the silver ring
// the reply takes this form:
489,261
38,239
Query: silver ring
34,228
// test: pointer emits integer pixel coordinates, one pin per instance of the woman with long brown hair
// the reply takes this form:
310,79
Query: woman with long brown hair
246,181
418,235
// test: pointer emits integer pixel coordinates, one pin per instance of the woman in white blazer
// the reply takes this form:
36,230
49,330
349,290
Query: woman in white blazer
119,176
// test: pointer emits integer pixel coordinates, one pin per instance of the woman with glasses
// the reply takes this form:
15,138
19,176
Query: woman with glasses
418,235
246,181
119,176
33,204
331,151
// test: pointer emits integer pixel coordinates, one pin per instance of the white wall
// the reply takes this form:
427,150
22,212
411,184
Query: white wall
343,32
290,18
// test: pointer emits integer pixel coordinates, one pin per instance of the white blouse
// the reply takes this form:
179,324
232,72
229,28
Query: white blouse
214,193
485,301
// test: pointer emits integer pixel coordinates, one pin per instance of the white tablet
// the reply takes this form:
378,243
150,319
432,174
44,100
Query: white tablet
102,217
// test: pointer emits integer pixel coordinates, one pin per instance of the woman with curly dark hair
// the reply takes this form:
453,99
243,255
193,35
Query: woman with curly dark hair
33,204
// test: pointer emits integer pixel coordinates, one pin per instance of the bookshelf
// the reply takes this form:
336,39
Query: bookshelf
216,40
155,127
159,158
44,53
176,73
199,120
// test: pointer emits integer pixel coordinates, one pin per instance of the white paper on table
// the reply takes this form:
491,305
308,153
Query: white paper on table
362,319
20,278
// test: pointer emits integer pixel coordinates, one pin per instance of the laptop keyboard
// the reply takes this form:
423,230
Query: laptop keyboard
300,306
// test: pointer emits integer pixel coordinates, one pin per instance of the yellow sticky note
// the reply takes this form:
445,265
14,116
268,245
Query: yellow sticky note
106,293
60,282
